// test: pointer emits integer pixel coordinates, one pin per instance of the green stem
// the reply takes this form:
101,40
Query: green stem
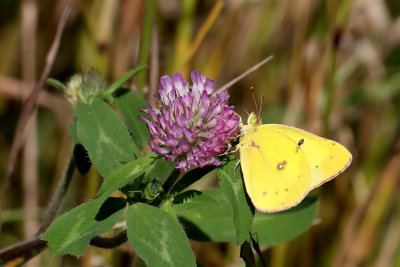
171,180
189,178
145,43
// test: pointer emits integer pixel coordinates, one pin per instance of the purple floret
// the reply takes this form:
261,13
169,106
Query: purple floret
190,126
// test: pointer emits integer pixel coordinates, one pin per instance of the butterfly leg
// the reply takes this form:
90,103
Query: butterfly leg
228,151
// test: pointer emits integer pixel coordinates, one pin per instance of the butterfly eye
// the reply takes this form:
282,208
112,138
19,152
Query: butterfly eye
281,165
252,119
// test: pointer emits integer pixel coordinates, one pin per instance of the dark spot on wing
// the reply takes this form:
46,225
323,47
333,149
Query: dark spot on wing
331,157
286,189
276,192
316,166
264,193
301,142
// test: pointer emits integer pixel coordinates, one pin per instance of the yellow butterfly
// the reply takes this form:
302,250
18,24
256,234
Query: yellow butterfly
281,164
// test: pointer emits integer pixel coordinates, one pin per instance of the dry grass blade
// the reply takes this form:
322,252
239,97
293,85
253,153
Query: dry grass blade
203,30
18,90
30,106
391,242
244,74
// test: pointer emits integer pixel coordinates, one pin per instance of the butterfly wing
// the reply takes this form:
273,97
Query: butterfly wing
276,175
326,158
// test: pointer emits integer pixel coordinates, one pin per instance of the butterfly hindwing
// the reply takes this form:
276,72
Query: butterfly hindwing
326,158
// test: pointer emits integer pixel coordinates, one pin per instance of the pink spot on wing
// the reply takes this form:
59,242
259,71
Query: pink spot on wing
255,145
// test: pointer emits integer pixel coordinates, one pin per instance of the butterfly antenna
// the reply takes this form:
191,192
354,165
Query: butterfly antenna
254,96
261,104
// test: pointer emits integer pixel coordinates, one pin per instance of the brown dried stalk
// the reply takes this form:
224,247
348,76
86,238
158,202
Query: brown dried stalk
30,106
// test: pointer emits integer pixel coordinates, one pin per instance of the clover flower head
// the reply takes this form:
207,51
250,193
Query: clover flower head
190,126
85,87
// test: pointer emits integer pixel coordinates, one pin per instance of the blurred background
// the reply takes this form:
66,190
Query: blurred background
335,72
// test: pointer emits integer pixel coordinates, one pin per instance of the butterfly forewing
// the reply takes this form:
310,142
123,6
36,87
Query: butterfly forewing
276,173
